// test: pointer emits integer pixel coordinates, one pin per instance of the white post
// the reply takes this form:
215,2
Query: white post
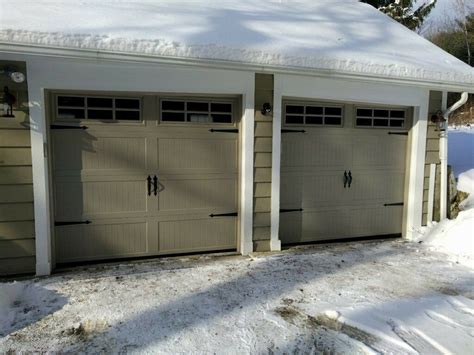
246,209
443,156
417,164
431,188
40,176
275,243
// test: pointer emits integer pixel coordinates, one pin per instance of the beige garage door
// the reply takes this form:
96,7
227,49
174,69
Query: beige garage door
148,176
342,171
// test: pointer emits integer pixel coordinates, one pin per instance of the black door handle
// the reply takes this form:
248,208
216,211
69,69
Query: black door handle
155,185
148,179
350,179
346,178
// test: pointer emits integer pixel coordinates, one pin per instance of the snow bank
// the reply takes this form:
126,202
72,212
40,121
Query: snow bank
455,237
344,36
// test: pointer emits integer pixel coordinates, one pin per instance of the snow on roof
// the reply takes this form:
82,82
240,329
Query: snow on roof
340,35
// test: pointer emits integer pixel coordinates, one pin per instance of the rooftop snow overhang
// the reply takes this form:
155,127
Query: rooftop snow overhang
342,38
113,56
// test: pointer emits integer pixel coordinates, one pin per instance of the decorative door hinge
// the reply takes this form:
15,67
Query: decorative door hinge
70,223
286,210
398,133
394,204
233,214
58,126
293,131
235,130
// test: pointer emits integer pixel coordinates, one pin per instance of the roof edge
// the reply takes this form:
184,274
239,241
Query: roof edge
91,54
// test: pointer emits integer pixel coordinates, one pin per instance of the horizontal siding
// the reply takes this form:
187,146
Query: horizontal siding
16,175
263,160
21,265
262,204
263,175
263,189
17,248
263,144
261,233
17,230
10,212
16,193
261,219
15,138
15,156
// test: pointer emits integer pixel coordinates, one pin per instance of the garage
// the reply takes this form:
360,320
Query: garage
342,170
142,175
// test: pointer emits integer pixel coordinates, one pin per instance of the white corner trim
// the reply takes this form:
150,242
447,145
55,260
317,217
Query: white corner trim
246,207
275,243
40,178
417,165
431,189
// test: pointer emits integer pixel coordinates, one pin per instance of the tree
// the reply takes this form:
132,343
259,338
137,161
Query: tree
404,11
457,39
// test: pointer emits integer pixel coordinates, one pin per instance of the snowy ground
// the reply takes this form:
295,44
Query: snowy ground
383,297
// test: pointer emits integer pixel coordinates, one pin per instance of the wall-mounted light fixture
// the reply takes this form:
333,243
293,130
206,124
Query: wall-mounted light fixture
15,75
8,101
439,119
266,109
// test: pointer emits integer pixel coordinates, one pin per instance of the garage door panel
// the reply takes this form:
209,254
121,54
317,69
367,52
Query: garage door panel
312,178
84,151
101,241
185,155
324,189
377,151
197,235
77,199
183,194
290,227
384,186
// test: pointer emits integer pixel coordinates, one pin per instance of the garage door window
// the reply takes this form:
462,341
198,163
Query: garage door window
315,115
98,108
376,117
194,111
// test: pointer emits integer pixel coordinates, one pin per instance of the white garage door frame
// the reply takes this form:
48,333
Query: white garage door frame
312,88
47,73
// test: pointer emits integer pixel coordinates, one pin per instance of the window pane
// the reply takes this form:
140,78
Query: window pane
397,114
364,122
172,105
100,114
127,115
99,102
127,103
172,116
71,113
222,118
380,123
314,120
337,111
196,117
313,110
381,113
197,106
397,123
70,101
294,119
220,107
364,112
332,121
294,109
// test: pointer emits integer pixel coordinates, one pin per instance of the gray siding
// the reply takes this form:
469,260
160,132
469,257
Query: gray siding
262,163
17,235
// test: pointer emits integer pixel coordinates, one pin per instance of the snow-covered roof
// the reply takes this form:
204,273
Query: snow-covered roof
344,36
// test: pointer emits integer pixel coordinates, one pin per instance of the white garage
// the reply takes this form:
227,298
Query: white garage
176,127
